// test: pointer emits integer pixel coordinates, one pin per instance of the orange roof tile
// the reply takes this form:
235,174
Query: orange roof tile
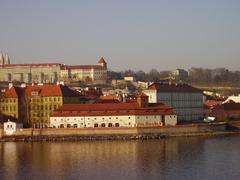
9,93
44,90
112,109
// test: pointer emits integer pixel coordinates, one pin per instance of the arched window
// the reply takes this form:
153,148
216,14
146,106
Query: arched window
61,126
110,124
103,125
68,125
95,125
75,125
116,124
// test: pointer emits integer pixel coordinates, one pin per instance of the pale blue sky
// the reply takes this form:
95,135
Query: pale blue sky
129,34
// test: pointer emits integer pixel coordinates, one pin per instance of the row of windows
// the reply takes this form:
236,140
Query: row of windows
48,99
10,108
46,107
147,117
6,100
95,125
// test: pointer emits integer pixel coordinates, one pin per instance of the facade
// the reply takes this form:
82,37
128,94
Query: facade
137,114
33,104
88,73
9,103
186,100
30,73
52,72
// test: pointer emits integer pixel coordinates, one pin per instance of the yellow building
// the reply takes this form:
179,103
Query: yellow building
9,104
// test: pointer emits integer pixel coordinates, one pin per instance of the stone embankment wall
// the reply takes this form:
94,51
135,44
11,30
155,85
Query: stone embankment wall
114,133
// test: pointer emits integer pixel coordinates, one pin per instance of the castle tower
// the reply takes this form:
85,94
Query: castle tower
1,59
102,62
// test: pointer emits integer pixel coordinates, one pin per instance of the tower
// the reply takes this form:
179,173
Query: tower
102,62
7,59
1,59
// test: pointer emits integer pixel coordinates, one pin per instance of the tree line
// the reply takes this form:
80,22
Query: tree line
195,75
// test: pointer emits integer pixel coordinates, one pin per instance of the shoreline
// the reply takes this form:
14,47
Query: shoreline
134,133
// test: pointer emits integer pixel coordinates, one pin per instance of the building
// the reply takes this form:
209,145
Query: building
88,73
226,111
179,74
137,114
10,127
9,102
31,73
33,104
52,72
185,99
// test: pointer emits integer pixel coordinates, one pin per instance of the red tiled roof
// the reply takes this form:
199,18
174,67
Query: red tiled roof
212,103
9,93
44,90
31,65
160,87
111,109
85,67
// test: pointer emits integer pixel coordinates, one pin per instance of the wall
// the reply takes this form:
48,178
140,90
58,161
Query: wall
178,130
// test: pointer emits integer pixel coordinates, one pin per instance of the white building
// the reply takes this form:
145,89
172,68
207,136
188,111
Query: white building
137,114
186,100
10,127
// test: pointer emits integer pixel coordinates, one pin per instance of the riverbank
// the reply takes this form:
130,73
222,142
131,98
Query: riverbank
133,133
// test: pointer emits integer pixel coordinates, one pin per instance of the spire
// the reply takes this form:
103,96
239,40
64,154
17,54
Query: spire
1,59
7,59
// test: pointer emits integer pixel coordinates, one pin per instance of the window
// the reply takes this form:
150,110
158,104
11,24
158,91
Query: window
75,126
129,117
116,124
110,125
95,125
61,126
68,125
103,125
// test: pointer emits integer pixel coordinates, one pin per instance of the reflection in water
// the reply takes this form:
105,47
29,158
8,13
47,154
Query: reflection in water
176,158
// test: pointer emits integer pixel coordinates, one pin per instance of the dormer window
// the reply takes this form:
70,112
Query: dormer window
34,93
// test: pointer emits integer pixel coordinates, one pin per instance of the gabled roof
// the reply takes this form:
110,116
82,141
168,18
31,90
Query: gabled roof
9,93
163,87
44,90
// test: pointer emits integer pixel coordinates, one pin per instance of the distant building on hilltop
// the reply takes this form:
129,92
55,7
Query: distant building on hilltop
185,99
52,72
179,74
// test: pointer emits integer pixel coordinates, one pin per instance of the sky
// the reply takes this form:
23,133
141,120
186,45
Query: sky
129,34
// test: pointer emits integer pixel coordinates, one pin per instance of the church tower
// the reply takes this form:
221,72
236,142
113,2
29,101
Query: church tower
102,62
1,59
7,59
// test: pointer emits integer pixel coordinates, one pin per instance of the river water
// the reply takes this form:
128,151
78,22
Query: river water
174,158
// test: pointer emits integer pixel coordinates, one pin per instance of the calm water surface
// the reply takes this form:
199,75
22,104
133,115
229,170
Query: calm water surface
175,158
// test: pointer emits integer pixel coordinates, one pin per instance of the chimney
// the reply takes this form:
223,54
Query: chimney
142,100
23,85
10,85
